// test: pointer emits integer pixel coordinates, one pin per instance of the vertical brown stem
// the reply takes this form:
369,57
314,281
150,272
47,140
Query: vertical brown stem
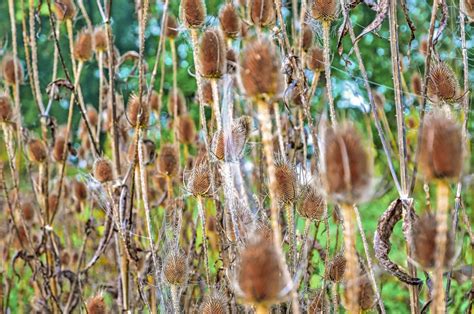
202,216
327,71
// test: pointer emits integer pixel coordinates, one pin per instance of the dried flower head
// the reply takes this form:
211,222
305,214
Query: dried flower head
176,99
441,149
186,129
311,206
53,203
215,303
175,268
100,40
347,170
92,116
416,84
27,210
424,242
96,305
168,163
193,13
83,46
325,10
307,37
199,180
207,93
262,12
138,113
80,190
469,9
231,61
424,46
442,83
37,151
315,59
239,135
103,170
154,101
230,21
6,112
260,72
8,70
171,27
59,148
212,54
286,181
64,9
336,268
318,303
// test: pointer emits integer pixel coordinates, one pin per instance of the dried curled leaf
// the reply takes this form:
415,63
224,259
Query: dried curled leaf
382,9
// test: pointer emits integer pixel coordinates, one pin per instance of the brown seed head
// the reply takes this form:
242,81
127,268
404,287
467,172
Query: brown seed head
168,163
59,148
193,13
347,169
100,40
92,116
64,9
260,72
37,151
216,303
240,133
231,61
286,185
6,112
103,170
8,70
96,305
212,54
175,268
28,211
199,180
53,203
171,27
336,268
469,9
416,84
207,93
176,99
318,303
230,21
441,150
80,190
308,37
137,111
315,59
424,47
83,46
325,10
186,129
154,101
311,205
262,12
442,83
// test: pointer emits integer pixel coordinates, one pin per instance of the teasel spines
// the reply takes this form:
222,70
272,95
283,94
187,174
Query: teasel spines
8,70
260,73
311,205
172,30
262,12
138,112
286,179
96,305
64,9
198,182
6,112
59,148
318,302
193,13
336,268
240,132
175,268
103,171
441,149
83,46
168,162
100,40
230,21
186,129
80,190
212,54
215,303
37,151
325,10
443,84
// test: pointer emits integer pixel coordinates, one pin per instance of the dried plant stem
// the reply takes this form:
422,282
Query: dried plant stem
84,14
100,61
303,137
369,261
175,92
70,34
202,216
334,297
276,110
175,298
216,104
442,203
327,70
34,56
292,237
169,186
314,85
352,270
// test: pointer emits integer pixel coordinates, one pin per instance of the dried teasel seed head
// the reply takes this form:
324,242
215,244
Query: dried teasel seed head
441,150
416,84
318,303
260,272
212,54
64,9
59,148
171,27
347,173
53,203
311,205
307,37
215,303
80,190
186,129
37,151
325,10
149,152
8,70
424,242
6,112
442,83
103,171
262,12
315,59
27,210
168,162
207,93
137,111
193,13
260,73
100,40
176,99
424,46
83,46
92,116
96,305
469,9
239,134
175,268
336,268
154,101
199,180
286,181
230,21
231,61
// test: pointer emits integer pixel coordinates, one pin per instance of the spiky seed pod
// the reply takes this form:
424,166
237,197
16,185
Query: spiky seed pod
262,12
212,54
416,84
207,93
336,268
137,111
260,72
424,242
469,9
27,211
100,40
154,101
186,129
325,10
37,151
96,305
65,258
308,37
59,151
230,21
231,61
171,27
311,205
240,132
6,112
193,13
216,303
177,100
8,70
367,297
286,184
347,170
199,180
315,59
441,150
83,46
103,170
168,163
260,272
80,190
175,268
442,83
64,9
318,303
